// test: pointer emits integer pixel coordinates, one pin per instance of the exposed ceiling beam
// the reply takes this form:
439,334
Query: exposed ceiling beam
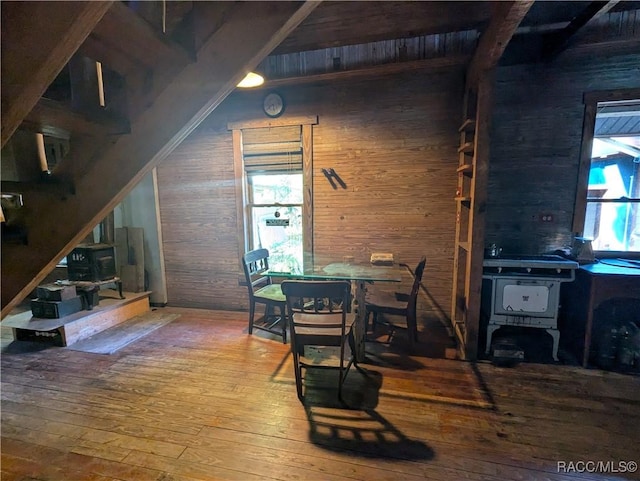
337,23
254,29
49,115
494,40
126,43
58,29
559,41
431,64
122,30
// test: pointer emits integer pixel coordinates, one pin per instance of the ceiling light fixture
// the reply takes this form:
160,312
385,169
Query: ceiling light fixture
252,79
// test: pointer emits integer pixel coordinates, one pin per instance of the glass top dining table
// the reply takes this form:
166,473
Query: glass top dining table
341,271
360,274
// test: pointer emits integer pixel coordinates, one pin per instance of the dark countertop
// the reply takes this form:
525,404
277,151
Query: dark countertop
613,267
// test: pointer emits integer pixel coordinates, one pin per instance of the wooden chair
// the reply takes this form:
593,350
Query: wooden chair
318,316
398,304
263,291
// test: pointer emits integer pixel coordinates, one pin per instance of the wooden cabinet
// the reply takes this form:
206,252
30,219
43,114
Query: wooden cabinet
594,284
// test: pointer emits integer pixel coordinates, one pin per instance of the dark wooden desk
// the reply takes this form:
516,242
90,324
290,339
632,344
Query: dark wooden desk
594,284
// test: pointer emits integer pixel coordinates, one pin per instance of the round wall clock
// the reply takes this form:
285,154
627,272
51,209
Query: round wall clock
273,105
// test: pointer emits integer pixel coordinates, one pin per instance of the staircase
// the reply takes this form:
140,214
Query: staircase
95,94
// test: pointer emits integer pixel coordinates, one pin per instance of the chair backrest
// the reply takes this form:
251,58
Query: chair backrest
255,263
413,297
329,300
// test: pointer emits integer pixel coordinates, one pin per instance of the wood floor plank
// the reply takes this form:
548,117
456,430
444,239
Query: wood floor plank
42,460
231,414
200,399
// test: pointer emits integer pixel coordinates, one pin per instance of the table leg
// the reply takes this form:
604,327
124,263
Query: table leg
359,309
589,321
119,283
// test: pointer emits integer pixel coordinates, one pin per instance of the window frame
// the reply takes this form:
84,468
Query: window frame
241,185
250,204
591,100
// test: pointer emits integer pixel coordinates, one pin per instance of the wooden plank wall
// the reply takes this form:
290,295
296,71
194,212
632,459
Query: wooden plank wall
393,142
535,146
198,216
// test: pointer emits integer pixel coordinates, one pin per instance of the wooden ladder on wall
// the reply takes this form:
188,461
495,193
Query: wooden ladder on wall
471,197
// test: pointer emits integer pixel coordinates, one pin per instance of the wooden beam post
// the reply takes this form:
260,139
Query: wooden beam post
494,40
480,78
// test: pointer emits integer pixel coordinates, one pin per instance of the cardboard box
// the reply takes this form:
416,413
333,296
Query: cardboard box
55,309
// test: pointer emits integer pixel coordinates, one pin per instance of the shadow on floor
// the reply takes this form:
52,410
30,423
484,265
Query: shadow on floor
388,342
354,425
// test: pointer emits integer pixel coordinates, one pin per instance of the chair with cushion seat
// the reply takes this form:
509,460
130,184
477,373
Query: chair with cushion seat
398,304
318,316
263,291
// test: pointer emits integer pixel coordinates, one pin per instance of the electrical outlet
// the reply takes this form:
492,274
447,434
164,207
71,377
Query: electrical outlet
546,217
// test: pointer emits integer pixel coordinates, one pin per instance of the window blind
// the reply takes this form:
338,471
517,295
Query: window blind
272,149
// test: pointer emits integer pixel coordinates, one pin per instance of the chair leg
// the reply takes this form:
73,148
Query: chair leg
252,312
283,319
344,370
411,339
297,369
412,324
341,375
352,345
412,332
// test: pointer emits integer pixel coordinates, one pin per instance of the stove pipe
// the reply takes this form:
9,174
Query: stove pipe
107,229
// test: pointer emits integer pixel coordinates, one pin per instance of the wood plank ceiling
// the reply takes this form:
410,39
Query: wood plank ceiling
165,67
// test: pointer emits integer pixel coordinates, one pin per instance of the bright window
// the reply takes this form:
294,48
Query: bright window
273,167
612,217
275,217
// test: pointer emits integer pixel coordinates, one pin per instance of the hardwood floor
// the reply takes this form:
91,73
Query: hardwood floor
199,399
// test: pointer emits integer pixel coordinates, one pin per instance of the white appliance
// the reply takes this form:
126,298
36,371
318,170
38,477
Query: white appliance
526,292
